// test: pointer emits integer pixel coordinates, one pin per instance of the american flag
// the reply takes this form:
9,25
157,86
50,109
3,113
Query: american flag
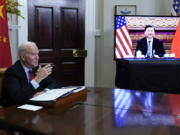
123,43
175,7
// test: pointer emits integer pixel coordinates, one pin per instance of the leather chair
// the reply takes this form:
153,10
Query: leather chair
2,71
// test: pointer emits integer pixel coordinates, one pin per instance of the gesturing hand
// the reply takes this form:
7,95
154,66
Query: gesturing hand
43,72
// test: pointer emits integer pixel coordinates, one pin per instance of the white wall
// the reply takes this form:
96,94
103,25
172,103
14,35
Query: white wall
23,23
90,43
13,29
99,43
18,29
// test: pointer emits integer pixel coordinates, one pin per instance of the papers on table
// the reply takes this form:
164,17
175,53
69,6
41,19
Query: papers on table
30,107
56,93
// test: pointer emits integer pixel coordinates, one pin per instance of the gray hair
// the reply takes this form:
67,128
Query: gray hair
23,48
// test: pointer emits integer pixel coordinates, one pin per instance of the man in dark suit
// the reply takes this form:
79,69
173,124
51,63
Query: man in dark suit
26,78
149,46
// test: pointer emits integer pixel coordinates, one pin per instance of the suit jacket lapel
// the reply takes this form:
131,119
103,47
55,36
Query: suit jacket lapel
153,44
146,46
21,71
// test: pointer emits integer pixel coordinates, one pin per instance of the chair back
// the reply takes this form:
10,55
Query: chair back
2,71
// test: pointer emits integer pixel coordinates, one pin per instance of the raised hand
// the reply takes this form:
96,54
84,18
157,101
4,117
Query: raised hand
43,72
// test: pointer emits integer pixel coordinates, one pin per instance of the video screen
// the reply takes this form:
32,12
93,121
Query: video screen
130,35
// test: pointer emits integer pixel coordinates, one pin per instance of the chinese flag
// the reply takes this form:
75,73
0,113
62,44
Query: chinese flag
175,47
5,51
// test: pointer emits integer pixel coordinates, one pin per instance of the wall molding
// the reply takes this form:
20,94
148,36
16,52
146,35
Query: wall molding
90,42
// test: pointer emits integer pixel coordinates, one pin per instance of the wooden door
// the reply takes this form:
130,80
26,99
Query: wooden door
57,26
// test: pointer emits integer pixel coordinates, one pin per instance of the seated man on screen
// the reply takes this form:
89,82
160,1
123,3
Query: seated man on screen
26,78
149,46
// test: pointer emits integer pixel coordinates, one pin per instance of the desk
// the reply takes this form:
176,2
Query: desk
106,111
148,74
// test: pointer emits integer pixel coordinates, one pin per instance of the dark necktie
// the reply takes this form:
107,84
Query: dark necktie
31,75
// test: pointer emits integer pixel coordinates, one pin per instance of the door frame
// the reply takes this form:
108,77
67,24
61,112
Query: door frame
89,36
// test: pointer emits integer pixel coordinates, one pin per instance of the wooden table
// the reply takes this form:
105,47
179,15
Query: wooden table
104,112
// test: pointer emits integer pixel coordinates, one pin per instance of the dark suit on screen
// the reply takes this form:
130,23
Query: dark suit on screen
157,46
16,88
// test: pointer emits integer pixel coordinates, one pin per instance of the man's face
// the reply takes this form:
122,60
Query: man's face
149,33
31,57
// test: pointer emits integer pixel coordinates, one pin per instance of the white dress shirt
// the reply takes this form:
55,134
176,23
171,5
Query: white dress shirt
33,82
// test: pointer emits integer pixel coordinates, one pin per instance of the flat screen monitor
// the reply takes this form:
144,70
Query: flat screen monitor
129,29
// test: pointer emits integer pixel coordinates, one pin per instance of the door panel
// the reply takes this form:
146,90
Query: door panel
44,33
58,28
69,28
